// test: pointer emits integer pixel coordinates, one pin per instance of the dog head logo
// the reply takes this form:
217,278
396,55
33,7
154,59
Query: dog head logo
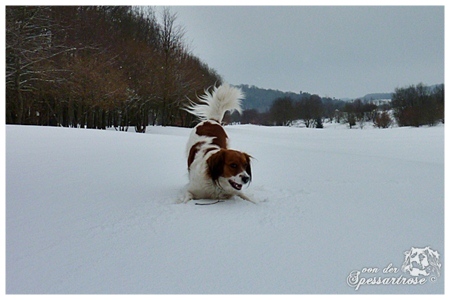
421,261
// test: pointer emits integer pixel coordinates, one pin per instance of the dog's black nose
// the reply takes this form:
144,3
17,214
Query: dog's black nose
245,179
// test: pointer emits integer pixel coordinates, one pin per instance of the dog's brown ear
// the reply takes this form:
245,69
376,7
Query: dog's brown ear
249,168
215,165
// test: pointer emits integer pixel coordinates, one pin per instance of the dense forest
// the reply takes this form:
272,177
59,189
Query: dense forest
98,67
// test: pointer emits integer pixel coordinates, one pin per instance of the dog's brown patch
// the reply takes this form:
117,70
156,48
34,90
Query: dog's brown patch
193,151
213,130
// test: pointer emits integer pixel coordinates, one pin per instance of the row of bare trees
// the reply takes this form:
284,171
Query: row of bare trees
415,105
98,67
311,109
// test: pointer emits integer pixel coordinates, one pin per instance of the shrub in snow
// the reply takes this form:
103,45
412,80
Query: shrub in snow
382,120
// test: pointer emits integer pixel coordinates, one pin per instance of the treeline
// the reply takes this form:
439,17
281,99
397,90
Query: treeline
419,105
284,111
98,67
412,106
261,99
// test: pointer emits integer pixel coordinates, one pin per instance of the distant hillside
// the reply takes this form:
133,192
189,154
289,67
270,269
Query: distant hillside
388,96
377,96
261,99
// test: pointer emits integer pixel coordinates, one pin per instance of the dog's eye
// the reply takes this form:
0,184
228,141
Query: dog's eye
234,166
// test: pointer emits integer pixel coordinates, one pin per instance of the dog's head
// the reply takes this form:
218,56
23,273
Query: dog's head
230,169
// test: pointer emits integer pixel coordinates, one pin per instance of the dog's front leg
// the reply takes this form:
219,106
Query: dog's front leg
244,197
188,197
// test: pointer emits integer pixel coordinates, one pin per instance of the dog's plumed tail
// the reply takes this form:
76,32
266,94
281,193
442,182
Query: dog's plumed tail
212,106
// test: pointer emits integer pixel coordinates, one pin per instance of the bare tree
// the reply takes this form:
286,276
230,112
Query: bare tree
172,51
30,50
282,111
311,111
418,105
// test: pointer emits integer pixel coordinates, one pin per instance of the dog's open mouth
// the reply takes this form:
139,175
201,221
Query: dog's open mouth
235,185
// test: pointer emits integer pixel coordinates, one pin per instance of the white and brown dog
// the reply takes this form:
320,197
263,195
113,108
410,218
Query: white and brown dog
215,171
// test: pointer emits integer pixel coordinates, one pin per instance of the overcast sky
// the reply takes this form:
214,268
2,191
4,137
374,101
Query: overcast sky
331,51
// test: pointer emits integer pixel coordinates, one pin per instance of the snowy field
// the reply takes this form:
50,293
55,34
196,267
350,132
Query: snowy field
90,211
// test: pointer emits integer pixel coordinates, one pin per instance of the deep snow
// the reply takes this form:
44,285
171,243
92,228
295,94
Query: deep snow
91,211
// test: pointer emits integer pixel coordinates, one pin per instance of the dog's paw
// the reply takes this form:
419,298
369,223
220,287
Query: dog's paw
187,197
247,198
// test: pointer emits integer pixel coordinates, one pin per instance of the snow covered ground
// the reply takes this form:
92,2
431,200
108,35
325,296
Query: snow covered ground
90,211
